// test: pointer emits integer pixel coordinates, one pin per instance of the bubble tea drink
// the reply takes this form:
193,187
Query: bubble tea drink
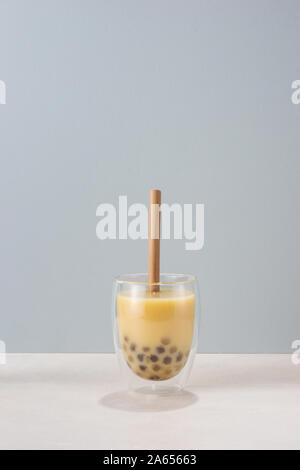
155,317
156,331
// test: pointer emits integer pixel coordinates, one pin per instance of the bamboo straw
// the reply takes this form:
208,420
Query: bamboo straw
154,239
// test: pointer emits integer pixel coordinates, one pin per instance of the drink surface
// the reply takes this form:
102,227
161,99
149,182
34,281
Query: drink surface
156,330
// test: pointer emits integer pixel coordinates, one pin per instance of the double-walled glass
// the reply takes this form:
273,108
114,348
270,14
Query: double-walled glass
155,330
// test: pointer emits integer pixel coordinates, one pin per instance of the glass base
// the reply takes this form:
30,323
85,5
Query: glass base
158,389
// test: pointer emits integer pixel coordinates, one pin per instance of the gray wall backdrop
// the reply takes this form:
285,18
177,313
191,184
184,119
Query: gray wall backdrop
116,97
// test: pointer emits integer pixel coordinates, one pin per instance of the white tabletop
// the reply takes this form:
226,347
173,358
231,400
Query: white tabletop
76,401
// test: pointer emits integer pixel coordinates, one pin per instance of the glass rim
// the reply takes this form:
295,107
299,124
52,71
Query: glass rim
125,279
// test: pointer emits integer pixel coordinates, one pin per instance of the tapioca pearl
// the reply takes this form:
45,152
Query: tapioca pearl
132,347
160,349
143,367
167,360
156,367
130,359
153,358
173,349
126,339
165,341
146,349
140,357
179,357
154,377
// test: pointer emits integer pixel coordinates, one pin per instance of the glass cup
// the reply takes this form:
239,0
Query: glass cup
155,331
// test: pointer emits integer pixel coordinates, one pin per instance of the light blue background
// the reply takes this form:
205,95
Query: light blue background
115,97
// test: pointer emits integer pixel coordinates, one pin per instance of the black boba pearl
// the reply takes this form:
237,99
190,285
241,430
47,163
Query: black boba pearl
165,341
154,377
160,349
140,357
153,358
167,360
143,367
179,357
156,367
126,339
132,347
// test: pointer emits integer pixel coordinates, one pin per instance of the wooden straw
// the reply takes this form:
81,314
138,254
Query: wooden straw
154,239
